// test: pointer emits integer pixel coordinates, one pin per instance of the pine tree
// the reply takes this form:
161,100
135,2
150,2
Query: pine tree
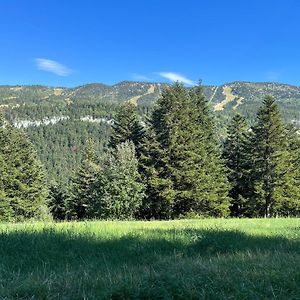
156,158
287,191
270,160
203,168
121,191
83,191
155,204
57,202
185,172
6,211
235,154
23,180
126,127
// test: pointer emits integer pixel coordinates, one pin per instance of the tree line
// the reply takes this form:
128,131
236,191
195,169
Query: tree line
170,165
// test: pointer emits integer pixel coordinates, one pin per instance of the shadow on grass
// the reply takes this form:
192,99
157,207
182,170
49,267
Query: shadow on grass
134,248
72,256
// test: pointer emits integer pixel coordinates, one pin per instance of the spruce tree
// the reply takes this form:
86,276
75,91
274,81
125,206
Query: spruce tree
83,191
23,180
156,204
287,191
120,189
157,157
186,174
126,127
235,154
57,202
6,211
271,160
204,167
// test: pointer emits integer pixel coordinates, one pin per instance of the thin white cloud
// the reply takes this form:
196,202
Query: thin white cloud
52,66
176,77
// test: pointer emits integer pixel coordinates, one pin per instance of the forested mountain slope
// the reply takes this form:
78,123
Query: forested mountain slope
245,97
59,120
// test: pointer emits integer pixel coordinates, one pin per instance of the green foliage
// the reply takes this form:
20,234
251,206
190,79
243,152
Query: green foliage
126,127
109,189
83,190
60,146
236,156
156,204
203,163
122,190
275,162
23,188
288,189
177,152
57,202
88,110
248,97
183,168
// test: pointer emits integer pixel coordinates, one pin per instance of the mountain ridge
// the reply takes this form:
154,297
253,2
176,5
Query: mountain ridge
145,82
226,99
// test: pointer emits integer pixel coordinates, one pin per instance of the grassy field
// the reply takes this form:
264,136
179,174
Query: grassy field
188,259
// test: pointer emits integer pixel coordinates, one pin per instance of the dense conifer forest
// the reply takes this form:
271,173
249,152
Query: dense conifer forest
59,120
168,161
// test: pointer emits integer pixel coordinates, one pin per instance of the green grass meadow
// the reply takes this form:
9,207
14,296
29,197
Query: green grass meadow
185,259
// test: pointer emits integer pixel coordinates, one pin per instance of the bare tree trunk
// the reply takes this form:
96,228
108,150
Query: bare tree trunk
268,206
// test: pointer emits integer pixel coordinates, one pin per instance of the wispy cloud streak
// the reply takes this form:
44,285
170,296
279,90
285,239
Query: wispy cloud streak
52,66
176,77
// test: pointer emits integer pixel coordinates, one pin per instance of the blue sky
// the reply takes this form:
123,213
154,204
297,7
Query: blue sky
69,43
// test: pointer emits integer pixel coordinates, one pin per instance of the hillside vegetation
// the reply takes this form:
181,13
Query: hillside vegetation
163,163
38,102
59,120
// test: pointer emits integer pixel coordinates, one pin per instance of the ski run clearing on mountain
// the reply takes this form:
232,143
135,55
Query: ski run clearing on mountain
229,97
134,100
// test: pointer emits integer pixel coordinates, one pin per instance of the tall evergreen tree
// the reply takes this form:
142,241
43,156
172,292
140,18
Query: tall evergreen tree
203,164
186,174
22,179
235,154
157,203
274,169
120,189
6,211
288,189
57,202
126,127
83,191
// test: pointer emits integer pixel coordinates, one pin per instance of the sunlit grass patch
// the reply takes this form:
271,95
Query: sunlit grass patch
186,259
